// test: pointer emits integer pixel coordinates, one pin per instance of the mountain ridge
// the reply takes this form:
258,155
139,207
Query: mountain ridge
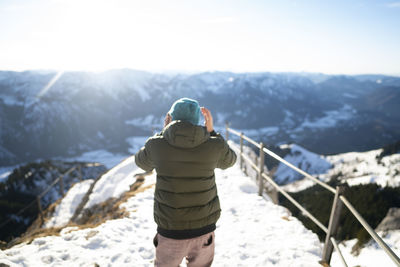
83,111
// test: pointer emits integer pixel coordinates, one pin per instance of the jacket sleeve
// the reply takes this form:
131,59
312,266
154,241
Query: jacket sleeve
228,156
143,159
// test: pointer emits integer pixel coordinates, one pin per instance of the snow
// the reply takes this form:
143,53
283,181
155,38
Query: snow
66,209
354,168
265,131
372,254
298,185
303,159
4,175
331,119
348,95
115,182
100,135
252,231
363,167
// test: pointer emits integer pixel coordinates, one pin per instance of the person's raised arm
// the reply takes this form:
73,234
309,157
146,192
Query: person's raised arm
228,156
143,159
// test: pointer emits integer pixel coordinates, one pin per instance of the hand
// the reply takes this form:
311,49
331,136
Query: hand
167,119
208,119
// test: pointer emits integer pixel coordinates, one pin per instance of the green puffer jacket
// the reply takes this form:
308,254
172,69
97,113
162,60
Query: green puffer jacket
185,157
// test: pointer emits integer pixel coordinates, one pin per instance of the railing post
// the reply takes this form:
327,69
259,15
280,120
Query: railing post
80,176
61,185
261,169
40,210
227,132
333,225
274,195
241,151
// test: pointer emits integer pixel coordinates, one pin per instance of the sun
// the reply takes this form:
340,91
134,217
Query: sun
97,35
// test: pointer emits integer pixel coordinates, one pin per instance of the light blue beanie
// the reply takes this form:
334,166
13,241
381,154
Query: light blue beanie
186,109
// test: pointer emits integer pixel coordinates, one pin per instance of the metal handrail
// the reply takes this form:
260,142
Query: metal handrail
335,245
280,189
251,141
297,204
49,187
371,231
254,166
55,182
44,192
272,154
367,227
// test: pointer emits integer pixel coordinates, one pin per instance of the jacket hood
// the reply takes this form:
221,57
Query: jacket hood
184,134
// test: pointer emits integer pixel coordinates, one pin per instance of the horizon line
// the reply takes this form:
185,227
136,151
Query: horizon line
164,71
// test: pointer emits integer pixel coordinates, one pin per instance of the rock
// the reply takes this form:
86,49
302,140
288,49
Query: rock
391,220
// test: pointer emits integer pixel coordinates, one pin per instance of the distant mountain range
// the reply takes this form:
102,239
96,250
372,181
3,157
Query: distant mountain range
48,114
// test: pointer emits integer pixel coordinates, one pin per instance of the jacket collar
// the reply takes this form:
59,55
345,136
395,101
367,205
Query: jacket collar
184,134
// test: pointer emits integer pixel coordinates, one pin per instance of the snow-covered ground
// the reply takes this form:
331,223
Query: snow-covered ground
252,231
65,210
114,183
371,254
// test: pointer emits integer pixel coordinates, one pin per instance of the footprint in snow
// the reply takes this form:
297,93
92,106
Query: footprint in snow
248,188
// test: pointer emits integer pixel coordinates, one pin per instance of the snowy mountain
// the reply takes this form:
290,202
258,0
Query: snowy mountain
265,234
353,168
49,114
304,160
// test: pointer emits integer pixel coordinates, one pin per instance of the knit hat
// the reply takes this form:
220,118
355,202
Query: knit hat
186,109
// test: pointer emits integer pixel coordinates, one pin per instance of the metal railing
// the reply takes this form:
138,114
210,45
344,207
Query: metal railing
339,200
60,181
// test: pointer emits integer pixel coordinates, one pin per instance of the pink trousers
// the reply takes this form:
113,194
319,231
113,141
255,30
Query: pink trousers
198,251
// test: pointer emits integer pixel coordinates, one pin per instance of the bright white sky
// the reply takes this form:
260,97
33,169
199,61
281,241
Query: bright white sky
358,36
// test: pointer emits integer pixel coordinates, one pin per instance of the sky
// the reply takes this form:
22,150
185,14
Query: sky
333,37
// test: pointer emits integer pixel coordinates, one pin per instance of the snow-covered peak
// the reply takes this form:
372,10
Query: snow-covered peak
305,160
366,167
352,168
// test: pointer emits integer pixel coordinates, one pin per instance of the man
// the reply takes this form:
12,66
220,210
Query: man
186,204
